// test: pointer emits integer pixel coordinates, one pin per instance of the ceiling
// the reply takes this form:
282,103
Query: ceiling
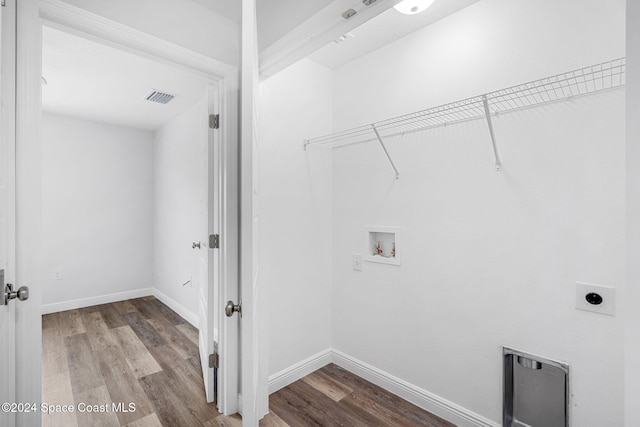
275,18
385,28
96,82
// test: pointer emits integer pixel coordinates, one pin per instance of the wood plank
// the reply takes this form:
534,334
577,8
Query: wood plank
54,353
273,420
187,381
94,408
56,390
172,336
299,404
84,370
169,405
67,322
189,331
148,421
327,385
114,369
98,332
138,357
147,334
226,421
124,307
122,385
163,310
112,317
384,398
146,310
367,408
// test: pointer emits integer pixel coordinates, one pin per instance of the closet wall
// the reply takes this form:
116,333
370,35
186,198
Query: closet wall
97,186
488,259
295,212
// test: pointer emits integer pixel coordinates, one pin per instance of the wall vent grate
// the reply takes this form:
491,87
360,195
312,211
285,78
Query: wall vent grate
160,97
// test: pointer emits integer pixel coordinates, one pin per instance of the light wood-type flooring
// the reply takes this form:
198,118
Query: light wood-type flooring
140,352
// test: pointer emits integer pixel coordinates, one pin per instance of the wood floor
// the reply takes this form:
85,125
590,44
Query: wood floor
141,353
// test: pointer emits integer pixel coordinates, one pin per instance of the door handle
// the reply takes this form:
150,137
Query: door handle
195,245
231,308
22,293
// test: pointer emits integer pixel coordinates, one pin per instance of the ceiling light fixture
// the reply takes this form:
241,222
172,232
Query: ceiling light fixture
412,7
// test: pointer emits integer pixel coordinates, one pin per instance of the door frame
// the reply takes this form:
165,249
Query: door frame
32,15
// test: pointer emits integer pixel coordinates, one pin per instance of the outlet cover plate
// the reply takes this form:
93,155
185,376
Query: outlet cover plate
607,293
357,262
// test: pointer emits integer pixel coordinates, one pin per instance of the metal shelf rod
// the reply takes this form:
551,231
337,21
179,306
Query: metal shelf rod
385,151
487,113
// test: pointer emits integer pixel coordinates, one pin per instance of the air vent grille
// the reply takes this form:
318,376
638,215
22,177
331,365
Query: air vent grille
160,97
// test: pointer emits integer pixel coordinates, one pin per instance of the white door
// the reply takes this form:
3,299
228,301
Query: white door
7,210
254,385
205,266
217,260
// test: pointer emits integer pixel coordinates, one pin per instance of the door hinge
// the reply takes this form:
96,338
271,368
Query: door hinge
214,241
3,3
214,360
214,121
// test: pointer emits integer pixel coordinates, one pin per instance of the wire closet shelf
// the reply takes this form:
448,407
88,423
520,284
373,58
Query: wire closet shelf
583,81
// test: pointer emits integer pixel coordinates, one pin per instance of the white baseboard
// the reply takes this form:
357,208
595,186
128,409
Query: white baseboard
101,299
422,398
178,308
294,373
121,296
426,400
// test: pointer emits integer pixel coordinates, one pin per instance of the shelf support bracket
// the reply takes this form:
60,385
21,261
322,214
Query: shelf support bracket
487,113
385,150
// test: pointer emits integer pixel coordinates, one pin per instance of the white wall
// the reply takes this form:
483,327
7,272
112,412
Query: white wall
632,335
182,22
488,259
97,204
180,177
295,212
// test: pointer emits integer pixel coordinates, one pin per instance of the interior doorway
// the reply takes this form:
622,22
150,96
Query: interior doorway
131,190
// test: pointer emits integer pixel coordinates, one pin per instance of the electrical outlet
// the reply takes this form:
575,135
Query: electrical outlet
357,262
57,274
596,298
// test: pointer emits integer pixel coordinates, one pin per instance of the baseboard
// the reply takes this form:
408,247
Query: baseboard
101,299
426,400
294,373
121,296
175,306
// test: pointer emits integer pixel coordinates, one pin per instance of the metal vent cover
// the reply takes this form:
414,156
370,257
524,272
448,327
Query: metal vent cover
160,97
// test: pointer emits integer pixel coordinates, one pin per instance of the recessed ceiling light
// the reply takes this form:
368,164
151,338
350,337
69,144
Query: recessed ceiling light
411,7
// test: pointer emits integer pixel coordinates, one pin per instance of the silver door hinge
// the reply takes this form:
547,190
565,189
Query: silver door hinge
214,360
214,241
214,121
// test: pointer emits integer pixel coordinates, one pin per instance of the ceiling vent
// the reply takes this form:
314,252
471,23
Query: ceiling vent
160,97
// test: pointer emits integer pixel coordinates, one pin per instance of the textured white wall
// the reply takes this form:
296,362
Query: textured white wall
183,22
295,212
180,177
97,200
488,259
